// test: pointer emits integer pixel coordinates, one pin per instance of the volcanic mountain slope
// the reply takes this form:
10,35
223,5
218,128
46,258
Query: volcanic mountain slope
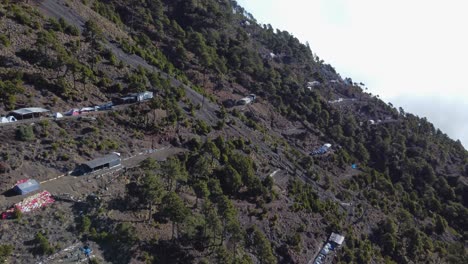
204,180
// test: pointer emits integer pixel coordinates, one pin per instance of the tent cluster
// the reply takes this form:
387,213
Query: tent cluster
335,241
33,112
322,150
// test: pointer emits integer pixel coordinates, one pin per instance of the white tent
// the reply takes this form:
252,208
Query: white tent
8,119
58,115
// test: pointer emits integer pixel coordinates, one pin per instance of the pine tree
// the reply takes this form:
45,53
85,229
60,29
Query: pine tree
175,209
152,190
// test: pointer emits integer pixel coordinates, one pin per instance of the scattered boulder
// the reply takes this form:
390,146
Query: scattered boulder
4,167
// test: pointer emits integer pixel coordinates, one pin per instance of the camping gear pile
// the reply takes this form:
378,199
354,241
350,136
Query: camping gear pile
21,181
29,204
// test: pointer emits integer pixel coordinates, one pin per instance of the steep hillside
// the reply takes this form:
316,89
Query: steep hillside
204,179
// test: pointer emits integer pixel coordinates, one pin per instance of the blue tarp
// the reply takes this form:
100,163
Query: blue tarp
27,187
354,166
86,250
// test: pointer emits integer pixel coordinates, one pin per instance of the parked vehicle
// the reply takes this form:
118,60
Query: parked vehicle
106,106
89,109
72,112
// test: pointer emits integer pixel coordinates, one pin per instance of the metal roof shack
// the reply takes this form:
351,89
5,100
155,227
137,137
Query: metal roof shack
27,187
104,162
336,238
30,112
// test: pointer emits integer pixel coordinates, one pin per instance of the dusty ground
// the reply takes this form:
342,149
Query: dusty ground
58,218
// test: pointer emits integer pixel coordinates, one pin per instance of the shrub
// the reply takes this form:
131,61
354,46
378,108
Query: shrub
295,241
72,30
107,144
441,224
43,245
4,40
113,60
219,125
17,213
202,128
5,252
64,157
105,82
55,25
262,247
21,17
125,233
9,89
85,224
94,261
63,87
25,133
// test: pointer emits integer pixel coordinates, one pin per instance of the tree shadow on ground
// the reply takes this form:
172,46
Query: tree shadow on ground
168,251
134,199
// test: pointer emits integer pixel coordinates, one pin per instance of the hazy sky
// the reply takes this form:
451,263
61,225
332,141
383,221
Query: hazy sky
413,53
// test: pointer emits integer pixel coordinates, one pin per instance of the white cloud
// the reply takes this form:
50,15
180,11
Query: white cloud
412,53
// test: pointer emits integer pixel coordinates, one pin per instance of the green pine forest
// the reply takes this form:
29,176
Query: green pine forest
215,200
